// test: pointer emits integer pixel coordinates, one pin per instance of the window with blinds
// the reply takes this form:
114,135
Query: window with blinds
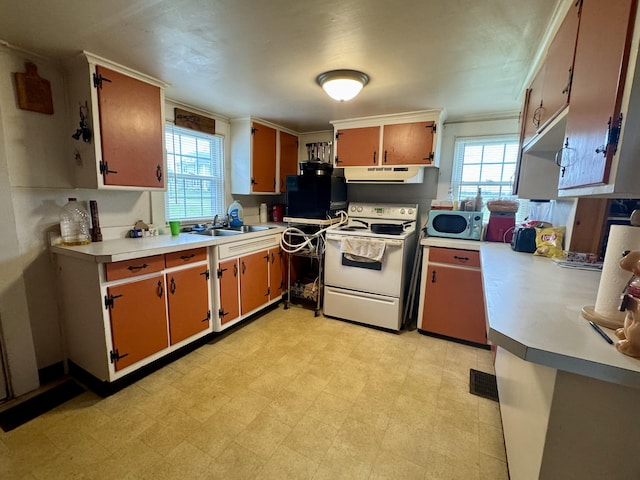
195,174
488,163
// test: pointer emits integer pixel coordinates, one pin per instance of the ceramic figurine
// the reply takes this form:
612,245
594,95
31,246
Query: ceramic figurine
629,334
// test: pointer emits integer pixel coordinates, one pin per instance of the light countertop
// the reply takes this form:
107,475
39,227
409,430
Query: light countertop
451,243
130,248
533,310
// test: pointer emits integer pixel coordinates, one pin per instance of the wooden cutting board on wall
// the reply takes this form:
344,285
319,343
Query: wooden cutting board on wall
33,91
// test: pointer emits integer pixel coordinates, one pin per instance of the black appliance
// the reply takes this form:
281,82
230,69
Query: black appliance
524,239
315,196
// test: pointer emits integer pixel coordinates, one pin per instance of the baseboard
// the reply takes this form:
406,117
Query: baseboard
51,373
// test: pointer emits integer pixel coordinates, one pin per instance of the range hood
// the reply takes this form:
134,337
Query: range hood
384,175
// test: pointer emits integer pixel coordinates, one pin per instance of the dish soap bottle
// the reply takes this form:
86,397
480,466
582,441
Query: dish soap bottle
236,214
74,224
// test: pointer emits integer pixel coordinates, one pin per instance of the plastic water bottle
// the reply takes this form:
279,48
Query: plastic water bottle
236,214
74,224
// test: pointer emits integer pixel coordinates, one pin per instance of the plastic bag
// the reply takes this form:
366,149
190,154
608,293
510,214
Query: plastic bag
549,242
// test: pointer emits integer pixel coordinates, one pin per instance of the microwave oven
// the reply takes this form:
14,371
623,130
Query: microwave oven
455,224
315,196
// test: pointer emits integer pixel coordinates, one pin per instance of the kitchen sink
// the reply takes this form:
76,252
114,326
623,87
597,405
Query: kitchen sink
250,228
231,231
217,232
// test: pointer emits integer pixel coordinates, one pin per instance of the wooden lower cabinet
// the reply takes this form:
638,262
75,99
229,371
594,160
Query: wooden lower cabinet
277,278
254,281
188,301
453,299
250,276
121,316
138,320
229,287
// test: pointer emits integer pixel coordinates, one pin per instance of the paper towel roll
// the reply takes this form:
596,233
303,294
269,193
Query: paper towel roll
614,279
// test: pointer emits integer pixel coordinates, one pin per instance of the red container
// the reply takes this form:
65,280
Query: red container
277,212
500,227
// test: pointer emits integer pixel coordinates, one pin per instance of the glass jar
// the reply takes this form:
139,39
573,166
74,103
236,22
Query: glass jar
74,224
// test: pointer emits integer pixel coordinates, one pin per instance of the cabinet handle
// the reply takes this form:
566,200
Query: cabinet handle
235,269
433,276
374,157
159,173
244,267
131,268
385,156
187,257
566,156
273,258
462,259
160,289
537,116
172,288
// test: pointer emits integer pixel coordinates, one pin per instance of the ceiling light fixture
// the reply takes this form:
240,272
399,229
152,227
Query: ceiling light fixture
342,85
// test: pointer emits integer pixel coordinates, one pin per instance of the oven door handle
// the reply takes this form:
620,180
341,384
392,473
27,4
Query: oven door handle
388,241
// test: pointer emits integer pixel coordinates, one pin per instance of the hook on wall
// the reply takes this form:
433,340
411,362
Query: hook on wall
83,130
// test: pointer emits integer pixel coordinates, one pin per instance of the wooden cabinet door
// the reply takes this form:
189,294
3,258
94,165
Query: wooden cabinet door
228,282
559,65
454,304
408,144
254,281
600,70
357,147
288,158
131,131
138,320
263,158
276,272
188,299
533,116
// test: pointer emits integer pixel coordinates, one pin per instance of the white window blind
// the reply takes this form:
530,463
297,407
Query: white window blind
195,174
488,163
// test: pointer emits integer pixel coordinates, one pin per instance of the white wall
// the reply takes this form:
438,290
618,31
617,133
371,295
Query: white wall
36,178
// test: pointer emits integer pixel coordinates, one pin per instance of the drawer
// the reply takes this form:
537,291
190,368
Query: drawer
133,268
185,257
467,258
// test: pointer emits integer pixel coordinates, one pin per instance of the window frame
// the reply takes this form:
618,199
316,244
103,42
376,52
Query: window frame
504,186
215,204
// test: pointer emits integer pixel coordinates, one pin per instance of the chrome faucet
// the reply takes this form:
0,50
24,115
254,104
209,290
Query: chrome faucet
223,221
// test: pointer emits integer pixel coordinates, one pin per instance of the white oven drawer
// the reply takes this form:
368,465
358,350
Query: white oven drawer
385,278
370,309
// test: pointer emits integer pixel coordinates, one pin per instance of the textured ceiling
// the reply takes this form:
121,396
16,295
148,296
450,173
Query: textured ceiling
261,58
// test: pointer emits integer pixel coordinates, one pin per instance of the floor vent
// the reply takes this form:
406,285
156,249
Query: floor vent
483,384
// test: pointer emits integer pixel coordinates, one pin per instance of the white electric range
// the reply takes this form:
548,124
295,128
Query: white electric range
370,289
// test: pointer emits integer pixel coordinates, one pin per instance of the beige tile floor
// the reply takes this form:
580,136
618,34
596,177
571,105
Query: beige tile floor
287,396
